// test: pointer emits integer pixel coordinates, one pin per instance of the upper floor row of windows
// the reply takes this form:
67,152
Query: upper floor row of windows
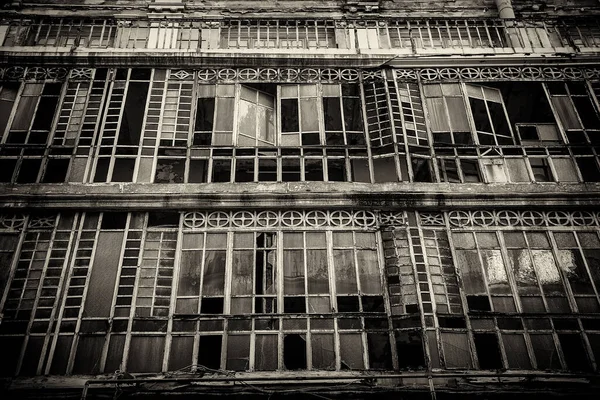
168,126
407,34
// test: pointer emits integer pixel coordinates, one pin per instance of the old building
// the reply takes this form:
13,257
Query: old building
296,199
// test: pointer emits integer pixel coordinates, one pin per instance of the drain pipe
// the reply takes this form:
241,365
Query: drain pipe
505,9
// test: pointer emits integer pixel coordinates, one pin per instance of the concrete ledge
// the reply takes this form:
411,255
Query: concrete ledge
328,58
137,196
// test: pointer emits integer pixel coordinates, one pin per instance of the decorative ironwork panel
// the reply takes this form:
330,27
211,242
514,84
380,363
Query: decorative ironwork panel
279,219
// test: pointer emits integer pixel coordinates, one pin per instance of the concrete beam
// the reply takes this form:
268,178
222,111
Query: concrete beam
435,196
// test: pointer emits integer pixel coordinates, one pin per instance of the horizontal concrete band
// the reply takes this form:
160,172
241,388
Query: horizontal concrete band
330,59
301,195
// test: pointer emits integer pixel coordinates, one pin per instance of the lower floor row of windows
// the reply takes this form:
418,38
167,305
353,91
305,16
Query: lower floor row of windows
271,290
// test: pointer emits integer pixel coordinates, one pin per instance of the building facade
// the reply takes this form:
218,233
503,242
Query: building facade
300,199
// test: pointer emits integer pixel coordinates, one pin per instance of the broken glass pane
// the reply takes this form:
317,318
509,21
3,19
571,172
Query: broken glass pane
547,271
456,350
566,112
523,271
467,262
323,353
380,356
351,351
496,274
265,356
545,351
409,345
571,262
238,352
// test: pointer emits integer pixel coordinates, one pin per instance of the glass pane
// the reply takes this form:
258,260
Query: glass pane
351,351
189,274
437,115
571,262
566,112
316,263
459,121
146,354
523,271
516,351
456,350
238,352
265,353
467,262
547,271
308,115
545,351
496,274
368,269
225,113
293,266
323,353
242,271
517,169
104,272
345,273
214,273
565,170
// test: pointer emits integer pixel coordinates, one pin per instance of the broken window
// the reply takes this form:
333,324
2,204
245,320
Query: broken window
482,269
122,126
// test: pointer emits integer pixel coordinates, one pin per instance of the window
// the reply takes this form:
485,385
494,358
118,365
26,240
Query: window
505,132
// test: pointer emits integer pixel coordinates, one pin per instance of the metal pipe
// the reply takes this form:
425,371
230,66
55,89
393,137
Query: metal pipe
505,8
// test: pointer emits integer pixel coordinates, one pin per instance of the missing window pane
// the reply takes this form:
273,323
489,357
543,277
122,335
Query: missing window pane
409,345
294,352
488,350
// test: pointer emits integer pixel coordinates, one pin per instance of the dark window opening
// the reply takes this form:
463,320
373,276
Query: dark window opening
409,345
198,171
574,352
30,168
7,169
209,353
421,170
289,115
589,169
380,356
204,121
56,170
221,171
372,304
212,305
525,102
163,219
102,166
479,303
294,305
123,170
347,304
133,113
488,350
114,220
294,352
169,171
